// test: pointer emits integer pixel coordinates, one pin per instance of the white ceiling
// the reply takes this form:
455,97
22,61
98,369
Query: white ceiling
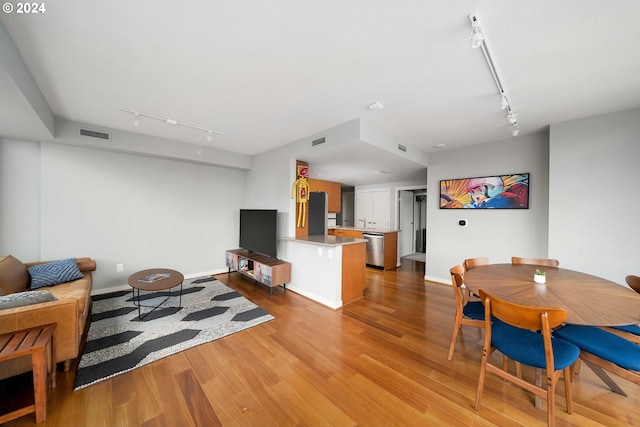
268,73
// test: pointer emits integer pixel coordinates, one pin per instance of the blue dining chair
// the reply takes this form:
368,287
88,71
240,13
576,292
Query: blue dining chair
633,329
468,313
512,329
604,350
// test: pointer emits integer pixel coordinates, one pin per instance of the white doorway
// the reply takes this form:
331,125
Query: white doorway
406,242
412,220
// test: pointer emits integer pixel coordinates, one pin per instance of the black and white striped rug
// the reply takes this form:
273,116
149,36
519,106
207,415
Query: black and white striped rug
118,341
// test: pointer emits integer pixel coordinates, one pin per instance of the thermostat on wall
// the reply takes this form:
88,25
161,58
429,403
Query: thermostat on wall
462,222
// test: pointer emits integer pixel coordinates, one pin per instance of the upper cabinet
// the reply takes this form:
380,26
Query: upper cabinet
333,192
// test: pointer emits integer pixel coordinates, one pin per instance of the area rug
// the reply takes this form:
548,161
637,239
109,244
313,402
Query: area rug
118,341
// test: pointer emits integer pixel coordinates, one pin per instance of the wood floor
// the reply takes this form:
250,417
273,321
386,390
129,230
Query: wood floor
380,361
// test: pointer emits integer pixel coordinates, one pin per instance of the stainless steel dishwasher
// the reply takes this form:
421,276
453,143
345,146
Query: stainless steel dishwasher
375,249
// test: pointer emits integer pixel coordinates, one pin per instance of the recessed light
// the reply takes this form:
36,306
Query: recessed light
439,145
376,106
378,172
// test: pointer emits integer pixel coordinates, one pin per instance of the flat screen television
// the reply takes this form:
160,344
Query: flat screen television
258,232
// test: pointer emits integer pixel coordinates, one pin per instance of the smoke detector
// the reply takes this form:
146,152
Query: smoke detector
376,106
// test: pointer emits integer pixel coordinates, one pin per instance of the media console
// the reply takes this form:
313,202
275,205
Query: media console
261,268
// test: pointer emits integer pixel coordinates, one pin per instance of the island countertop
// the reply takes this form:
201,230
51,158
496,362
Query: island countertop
364,230
327,240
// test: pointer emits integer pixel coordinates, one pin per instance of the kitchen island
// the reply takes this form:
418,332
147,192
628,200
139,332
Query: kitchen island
327,269
388,259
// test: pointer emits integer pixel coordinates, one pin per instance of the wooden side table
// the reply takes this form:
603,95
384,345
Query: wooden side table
38,342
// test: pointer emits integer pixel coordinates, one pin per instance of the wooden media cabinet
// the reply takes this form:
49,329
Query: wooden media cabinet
261,268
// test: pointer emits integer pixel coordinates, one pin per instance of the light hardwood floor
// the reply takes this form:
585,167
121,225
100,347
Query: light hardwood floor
380,361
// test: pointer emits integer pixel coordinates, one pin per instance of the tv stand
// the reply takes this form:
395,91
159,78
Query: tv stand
261,268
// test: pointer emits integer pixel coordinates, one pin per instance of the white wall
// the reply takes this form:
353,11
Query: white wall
20,199
497,234
139,211
594,202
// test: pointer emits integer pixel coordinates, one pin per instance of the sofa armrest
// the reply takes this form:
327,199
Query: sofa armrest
64,313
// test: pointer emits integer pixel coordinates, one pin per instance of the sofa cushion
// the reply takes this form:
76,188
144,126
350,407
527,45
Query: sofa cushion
20,299
54,273
13,276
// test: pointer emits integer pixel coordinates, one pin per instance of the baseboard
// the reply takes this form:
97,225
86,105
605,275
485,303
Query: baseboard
126,287
312,297
437,280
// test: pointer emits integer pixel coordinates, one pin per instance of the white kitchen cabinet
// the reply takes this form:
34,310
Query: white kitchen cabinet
374,207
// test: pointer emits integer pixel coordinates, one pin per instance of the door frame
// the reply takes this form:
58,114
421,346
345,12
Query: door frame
396,211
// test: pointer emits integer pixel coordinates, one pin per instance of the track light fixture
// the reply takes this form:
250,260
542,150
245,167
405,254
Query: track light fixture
137,115
477,37
479,40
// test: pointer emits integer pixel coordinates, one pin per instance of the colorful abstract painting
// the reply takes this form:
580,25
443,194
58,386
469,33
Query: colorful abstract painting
489,192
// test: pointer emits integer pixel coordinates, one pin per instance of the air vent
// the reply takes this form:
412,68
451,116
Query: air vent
402,148
95,134
318,141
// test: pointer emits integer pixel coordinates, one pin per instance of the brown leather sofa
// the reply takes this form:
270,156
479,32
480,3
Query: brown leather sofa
69,312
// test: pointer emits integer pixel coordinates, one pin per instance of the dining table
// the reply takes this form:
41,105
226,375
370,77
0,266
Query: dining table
587,300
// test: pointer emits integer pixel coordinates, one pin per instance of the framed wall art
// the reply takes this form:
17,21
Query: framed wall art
487,192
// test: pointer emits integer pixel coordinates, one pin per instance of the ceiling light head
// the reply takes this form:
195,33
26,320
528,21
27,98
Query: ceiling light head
477,38
136,120
515,131
209,136
512,118
504,103
376,106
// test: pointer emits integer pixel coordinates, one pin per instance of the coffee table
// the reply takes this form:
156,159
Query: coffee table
154,280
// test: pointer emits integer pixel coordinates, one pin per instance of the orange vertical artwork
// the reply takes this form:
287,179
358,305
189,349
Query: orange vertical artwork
300,191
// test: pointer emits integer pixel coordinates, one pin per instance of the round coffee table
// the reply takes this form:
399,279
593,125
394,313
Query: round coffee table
154,280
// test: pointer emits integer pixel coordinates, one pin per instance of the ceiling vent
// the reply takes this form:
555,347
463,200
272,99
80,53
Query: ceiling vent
402,148
95,134
318,141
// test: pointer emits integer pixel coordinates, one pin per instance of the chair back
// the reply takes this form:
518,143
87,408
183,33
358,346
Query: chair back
633,282
457,280
546,262
475,262
522,316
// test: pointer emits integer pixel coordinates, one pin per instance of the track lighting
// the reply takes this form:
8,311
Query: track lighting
479,40
136,122
504,104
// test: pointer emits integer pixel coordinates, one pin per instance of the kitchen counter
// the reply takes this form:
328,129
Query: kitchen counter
364,230
327,269
390,246
327,240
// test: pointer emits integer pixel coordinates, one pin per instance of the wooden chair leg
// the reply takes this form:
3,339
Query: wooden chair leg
39,363
483,370
551,401
567,389
454,339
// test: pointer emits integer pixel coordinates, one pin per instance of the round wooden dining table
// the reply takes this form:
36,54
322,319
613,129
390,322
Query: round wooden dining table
587,299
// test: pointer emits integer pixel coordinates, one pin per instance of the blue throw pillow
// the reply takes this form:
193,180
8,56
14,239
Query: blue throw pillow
20,299
54,273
